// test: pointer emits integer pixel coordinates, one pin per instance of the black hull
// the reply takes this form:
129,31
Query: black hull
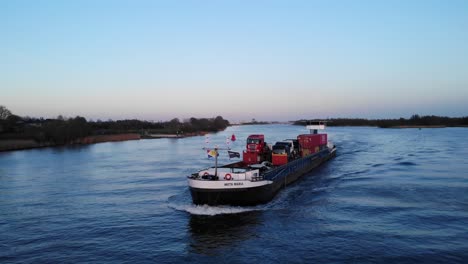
280,177
239,197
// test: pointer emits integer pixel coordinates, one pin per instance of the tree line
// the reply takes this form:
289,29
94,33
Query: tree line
63,130
413,121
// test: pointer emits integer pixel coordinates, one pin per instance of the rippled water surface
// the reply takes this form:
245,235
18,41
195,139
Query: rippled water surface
391,195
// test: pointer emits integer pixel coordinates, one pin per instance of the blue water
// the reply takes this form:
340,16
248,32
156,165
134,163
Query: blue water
391,195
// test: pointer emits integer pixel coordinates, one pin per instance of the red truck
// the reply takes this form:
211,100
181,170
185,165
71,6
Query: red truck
256,151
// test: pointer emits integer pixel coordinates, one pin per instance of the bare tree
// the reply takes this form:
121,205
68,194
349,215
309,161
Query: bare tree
4,113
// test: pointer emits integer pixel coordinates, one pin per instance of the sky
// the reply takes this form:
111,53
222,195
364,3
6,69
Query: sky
268,60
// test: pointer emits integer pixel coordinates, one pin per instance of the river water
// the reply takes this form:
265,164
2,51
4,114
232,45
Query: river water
390,195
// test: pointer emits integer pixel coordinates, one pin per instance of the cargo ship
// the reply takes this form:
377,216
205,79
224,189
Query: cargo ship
263,171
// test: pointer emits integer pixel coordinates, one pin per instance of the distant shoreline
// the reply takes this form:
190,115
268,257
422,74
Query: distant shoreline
18,132
24,144
417,126
183,135
434,126
414,121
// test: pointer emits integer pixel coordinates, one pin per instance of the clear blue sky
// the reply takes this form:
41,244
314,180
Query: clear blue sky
269,60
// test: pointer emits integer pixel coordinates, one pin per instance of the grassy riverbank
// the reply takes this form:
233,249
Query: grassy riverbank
19,144
25,132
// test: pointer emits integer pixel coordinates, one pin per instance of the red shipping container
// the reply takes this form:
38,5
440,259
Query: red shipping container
279,159
308,151
323,139
312,140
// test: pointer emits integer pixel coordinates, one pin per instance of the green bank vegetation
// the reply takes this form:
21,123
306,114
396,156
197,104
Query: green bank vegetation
62,130
413,121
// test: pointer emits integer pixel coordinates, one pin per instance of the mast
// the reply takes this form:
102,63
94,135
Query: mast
216,148
216,162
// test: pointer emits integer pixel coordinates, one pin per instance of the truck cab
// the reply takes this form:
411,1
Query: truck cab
284,147
255,143
281,153
256,150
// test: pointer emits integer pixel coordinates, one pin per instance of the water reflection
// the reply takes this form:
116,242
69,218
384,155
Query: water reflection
220,232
